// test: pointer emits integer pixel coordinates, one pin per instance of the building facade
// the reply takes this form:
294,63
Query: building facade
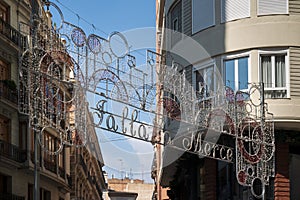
58,168
86,162
248,41
139,187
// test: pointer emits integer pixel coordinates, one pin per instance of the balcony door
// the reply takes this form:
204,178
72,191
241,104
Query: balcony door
4,128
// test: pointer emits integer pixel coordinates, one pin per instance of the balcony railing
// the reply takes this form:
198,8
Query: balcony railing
98,189
12,152
69,178
51,166
8,93
8,196
13,35
82,163
62,172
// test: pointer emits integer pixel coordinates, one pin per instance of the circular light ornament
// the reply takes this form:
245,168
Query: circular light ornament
258,188
46,144
54,10
94,43
118,45
78,37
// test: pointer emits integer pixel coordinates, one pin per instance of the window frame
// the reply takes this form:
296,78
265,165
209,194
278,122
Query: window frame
235,57
273,53
203,66
7,7
175,24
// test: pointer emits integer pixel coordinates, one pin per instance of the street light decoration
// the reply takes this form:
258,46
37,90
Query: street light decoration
62,65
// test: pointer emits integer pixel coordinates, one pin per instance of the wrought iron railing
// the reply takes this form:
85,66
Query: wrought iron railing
90,178
98,189
62,172
12,152
7,92
12,34
82,163
69,178
49,165
8,196
32,157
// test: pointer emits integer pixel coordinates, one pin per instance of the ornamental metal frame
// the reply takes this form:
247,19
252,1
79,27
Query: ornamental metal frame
63,66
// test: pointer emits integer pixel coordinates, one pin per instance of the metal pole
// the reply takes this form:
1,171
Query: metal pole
36,163
36,167
262,113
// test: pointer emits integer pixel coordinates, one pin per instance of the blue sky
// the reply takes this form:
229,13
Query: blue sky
110,15
121,155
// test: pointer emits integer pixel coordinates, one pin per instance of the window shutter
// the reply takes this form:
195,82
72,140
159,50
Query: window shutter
267,7
234,9
203,14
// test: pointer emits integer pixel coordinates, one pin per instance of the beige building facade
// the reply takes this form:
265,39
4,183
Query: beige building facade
246,41
143,190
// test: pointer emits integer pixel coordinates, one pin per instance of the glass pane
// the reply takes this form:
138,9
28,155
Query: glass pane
229,74
202,14
209,80
199,79
266,71
243,73
280,71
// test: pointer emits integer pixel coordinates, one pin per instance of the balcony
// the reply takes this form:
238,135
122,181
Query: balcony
13,35
8,196
69,178
98,189
62,172
12,152
8,92
49,165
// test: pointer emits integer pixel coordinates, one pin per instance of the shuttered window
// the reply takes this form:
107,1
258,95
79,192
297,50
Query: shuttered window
234,9
203,13
268,7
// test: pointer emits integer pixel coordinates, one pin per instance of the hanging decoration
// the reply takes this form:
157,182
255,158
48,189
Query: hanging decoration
65,66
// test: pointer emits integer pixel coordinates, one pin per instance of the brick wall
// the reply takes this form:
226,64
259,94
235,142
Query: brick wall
282,181
210,179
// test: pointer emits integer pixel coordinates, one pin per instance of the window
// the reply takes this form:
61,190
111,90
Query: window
234,9
4,128
4,12
4,70
203,14
5,184
51,145
61,159
23,135
30,191
268,7
175,25
45,194
236,73
175,17
274,74
204,80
